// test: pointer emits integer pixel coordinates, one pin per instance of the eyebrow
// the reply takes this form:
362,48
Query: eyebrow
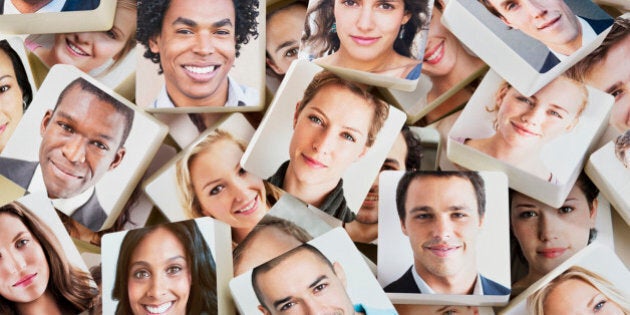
210,183
392,161
17,236
613,87
146,264
192,23
285,44
430,209
442,309
6,76
288,298
71,119
325,116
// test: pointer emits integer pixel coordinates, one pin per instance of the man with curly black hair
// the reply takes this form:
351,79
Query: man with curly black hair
196,43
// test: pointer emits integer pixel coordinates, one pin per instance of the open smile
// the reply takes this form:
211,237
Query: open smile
26,281
75,50
435,54
201,73
364,40
158,309
250,207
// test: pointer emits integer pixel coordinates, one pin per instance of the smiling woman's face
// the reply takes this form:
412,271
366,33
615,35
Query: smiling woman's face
24,271
226,191
159,275
10,100
533,121
575,296
330,133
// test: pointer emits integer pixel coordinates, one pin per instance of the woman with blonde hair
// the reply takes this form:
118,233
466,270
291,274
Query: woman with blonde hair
95,53
211,182
579,291
35,274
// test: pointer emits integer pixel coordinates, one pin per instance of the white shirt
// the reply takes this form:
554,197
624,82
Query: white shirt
425,288
67,206
52,6
238,95
588,35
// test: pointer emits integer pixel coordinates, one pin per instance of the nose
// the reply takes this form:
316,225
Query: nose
74,149
158,286
14,261
313,307
535,8
365,21
203,44
241,189
443,228
325,142
546,228
534,115
82,38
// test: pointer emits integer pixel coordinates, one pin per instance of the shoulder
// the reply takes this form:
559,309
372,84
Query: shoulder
80,5
18,171
493,288
598,25
367,310
404,284
91,214
415,72
241,95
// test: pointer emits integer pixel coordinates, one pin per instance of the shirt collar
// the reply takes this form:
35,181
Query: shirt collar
426,289
68,205
238,95
52,6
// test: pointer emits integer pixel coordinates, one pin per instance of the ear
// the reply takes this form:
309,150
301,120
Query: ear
153,44
403,228
593,209
45,122
263,310
120,154
296,114
406,18
273,66
341,274
500,95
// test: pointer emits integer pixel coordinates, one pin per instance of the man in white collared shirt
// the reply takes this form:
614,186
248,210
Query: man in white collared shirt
442,214
43,6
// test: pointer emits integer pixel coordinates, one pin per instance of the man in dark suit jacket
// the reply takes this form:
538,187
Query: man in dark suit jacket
442,213
82,138
69,5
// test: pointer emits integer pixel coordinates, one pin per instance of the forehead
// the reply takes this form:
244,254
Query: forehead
300,267
441,191
571,290
356,112
10,222
157,244
614,67
267,244
199,11
82,105
6,66
399,150
563,92
219,153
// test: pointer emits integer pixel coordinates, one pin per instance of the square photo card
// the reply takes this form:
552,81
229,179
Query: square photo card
42,260
200,56
412,309
330,137
82,144
352,42
528,49
56,16
325,274
539,141
182,267
593,280
448,236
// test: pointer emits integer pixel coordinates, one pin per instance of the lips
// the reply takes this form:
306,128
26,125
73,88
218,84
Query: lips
76,50
364,40
443,250
250,207
201,72
3,127
551,252
435,54
64,172
312,162
549,23
158,309
25,281
524,131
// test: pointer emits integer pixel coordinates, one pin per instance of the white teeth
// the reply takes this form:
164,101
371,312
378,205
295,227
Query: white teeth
159,309
436,53
200,70
249,207
77,49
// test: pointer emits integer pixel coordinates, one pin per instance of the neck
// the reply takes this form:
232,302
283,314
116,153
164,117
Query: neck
45,304
361,232
461,283
516,155
313,194
381,63
216,99
29,6
572,46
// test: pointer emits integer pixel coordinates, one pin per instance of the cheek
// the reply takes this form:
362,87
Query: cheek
135,291
525,233
216,206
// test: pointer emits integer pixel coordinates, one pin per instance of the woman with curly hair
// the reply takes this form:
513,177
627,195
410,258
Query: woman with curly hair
35,274
166,267
368,35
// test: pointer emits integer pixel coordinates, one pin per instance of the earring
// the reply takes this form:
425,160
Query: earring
401,34
333,28
24,105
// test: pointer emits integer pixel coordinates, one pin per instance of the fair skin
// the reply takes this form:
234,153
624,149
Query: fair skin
365,228
197,49
309,286
159,275
267,244
81,141
10,100
410,309
549,21
326,139
526,124
612,75
24,270
575,296
367,30
442,223
225,190
284,31
90,50
447,63
549,236
29,6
